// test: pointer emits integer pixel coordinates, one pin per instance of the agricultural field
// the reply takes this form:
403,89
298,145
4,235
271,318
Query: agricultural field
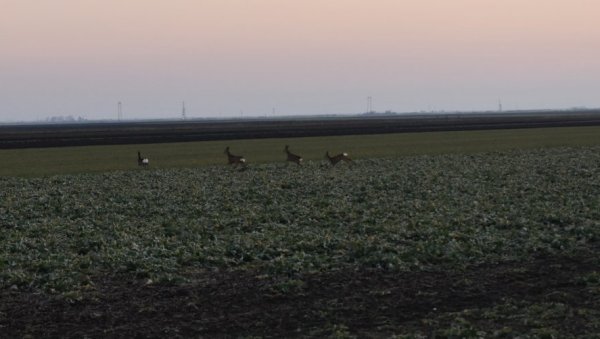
36,162
169,131
459,242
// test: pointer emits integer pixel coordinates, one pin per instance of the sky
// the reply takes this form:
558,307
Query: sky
232,58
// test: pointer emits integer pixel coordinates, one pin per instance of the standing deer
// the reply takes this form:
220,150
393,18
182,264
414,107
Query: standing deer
234,159
291,156
142,161
337,158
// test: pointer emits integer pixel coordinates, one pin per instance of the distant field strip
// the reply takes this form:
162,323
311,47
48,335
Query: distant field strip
52,161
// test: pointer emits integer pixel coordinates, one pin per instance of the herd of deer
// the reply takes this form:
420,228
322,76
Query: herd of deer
240,160
291,157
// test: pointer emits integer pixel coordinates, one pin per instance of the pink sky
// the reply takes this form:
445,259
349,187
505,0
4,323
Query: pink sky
80,57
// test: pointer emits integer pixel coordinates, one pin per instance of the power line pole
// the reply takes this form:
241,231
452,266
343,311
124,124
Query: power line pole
369,104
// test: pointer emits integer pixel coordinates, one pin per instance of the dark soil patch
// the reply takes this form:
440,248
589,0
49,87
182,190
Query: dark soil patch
141,132
241,303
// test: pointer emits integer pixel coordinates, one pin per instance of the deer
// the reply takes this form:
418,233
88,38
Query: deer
292,157
142,161
337,158
234,159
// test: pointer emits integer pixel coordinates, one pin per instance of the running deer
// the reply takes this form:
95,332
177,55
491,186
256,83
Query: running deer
234,159
337,158
142,161
291,156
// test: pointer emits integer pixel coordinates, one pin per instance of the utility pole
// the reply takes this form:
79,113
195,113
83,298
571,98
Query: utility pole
119,111
369,104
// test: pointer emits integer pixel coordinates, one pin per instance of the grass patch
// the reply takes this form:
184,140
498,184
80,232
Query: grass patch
71,160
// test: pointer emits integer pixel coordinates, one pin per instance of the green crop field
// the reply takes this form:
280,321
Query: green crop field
456,234
70,160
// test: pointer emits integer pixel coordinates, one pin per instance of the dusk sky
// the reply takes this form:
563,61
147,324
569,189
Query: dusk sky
226,58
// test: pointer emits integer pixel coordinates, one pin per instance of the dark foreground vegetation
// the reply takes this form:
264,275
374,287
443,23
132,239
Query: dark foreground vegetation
60,135
490,244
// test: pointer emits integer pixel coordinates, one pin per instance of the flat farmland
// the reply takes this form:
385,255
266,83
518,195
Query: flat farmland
445,234
87,159
169,131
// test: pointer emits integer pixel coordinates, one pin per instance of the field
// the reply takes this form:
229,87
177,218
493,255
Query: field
161,131
457,234
35,162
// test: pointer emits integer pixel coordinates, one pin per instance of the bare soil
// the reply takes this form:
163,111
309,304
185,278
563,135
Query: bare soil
366,302
164,131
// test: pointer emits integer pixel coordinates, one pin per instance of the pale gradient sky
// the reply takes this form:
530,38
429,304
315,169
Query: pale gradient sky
80,57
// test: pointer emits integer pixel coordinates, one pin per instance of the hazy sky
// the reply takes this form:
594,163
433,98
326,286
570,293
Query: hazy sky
225,57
